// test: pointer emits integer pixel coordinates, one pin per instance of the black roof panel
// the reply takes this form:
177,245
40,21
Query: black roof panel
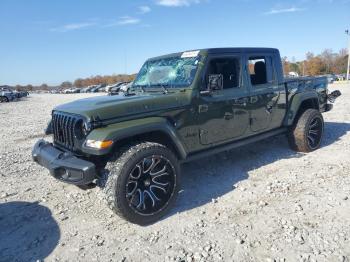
222,50
239,49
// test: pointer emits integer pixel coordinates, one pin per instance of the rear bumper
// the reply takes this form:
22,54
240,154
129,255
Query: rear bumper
63,165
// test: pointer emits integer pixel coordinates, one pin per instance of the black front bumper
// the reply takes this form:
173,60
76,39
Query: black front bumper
64,165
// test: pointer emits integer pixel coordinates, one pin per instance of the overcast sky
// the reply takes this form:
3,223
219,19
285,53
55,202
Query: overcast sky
53,41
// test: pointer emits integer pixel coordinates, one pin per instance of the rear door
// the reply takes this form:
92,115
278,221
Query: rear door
264,92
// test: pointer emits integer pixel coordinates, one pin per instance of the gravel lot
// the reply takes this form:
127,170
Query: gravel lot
262,202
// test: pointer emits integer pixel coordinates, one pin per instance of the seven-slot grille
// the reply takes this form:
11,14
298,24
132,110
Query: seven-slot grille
63,126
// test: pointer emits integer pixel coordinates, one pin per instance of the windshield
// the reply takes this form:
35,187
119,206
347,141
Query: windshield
170,72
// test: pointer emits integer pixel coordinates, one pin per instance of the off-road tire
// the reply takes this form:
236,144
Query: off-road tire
299,134
115,177
4,99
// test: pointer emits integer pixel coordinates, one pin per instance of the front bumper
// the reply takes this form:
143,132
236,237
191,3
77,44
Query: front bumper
63,165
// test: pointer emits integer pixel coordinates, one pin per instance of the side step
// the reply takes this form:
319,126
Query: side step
239,143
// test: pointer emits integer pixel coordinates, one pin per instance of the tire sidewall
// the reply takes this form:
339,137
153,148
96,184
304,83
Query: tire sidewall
297,135
123,176
313,115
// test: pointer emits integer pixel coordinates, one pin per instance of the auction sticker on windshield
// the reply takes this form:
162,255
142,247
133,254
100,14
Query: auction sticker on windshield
190,54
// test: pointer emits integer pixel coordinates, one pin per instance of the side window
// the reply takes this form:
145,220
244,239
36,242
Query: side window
229,68
261,70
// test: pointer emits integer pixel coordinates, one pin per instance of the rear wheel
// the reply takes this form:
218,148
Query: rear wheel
142,184
306,134
3,99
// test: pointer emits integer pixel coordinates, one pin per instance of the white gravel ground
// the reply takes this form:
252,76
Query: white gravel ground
262,202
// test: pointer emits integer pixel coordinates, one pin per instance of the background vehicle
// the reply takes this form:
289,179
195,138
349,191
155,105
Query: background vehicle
95,89
87,89
72,90
340,77
122,86
126,87
114,88
6,95
331,78
180,107
108,88
83,90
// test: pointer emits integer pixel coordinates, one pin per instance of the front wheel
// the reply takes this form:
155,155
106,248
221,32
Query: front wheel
142,184
306,134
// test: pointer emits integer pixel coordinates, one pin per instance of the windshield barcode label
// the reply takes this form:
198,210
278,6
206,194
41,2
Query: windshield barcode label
190,54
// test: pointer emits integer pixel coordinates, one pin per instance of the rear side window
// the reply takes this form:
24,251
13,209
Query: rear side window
229,68
261,70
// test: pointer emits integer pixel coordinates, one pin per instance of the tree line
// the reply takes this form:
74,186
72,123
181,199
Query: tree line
328,62
81,82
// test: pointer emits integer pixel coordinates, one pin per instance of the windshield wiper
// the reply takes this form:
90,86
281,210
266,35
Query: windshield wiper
163,86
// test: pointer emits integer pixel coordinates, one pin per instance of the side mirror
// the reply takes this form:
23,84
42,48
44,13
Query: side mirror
215,82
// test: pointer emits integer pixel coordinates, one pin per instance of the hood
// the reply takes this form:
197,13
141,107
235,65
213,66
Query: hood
110,107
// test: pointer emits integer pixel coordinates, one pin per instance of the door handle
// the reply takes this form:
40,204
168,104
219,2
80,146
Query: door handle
228,116
240,101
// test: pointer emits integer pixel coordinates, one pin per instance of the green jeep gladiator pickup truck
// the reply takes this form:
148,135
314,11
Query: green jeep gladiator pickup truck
180,107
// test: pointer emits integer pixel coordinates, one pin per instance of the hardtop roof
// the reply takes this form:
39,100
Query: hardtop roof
222,50
240,49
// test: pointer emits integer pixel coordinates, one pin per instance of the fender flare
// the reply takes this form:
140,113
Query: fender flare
130,128
295,103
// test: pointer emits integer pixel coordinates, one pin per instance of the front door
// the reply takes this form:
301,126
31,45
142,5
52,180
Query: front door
223,114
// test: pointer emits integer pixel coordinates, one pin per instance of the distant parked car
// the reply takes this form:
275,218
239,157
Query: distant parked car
96,88
340,77
102,88
112,86
125,87
72,90
293,74
90,88
116,88
67,91
84,89
330,78
22,94
6,95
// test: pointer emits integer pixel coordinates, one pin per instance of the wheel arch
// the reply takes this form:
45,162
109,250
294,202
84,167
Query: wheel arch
155,129
299,104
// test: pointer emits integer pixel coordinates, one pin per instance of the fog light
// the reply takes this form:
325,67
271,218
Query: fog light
60,172
99,144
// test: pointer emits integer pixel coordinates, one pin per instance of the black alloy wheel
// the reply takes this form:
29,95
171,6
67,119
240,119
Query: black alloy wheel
315,131
150,185
141,182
